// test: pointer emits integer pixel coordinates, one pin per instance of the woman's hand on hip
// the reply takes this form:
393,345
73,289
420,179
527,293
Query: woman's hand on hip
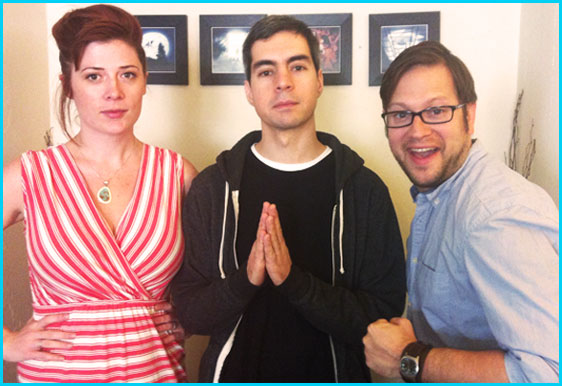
34,340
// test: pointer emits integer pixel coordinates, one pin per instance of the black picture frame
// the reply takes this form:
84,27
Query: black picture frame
391,33
221,38
334,33
170,32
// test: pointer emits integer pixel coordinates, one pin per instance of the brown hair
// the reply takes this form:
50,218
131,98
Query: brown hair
80,27
269,26
426,54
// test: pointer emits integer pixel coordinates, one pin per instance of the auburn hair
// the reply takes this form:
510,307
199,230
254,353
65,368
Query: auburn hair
80,27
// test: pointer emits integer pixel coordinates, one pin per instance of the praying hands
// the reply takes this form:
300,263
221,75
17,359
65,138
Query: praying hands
269,254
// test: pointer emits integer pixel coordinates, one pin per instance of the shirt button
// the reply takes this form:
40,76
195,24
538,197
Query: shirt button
436,201
415,259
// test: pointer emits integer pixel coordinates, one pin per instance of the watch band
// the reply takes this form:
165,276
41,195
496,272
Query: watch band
418,350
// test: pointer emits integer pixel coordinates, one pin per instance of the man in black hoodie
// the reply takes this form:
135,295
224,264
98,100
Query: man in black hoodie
292,245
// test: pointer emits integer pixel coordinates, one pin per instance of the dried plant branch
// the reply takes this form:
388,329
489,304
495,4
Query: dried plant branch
530,149
511,157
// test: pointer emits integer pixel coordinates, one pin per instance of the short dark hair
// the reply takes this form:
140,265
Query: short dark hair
269,26
426,54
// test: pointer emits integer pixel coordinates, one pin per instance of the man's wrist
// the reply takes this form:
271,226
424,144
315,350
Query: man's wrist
412,361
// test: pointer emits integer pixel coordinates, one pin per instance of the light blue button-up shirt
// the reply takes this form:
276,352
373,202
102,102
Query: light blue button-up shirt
483,267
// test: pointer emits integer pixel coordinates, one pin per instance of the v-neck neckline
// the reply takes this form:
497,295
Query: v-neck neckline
92,203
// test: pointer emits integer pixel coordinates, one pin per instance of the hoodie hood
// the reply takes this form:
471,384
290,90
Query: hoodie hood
231,162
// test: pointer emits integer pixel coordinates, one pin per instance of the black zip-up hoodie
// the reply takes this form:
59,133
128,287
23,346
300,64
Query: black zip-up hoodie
212,289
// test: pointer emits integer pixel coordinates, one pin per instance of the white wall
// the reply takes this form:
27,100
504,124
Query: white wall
538,77
200,121
26,117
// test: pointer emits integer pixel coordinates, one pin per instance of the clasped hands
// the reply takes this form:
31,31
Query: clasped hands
269,254
384,342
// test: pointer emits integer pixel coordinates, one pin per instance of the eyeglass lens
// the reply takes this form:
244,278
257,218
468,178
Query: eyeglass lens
432,115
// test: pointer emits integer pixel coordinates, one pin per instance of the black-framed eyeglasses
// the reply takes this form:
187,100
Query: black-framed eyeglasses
432,115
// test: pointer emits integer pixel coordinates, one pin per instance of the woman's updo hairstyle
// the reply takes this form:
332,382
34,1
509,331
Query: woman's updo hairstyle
80,27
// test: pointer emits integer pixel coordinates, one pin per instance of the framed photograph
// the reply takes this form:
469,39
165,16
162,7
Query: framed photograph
333,31
392,33
164,39
221,39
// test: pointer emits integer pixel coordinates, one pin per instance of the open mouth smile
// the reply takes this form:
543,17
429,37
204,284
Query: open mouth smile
423,152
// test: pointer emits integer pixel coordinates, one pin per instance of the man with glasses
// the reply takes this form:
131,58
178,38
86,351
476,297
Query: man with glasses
482,270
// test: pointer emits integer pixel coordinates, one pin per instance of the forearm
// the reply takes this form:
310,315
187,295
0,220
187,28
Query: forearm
5,339
206,305
205,300
336,310
451,365
12,196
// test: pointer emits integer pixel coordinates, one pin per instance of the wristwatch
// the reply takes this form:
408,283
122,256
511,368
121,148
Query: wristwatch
412,359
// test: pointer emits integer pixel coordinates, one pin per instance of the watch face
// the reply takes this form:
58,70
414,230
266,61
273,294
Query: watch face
409,366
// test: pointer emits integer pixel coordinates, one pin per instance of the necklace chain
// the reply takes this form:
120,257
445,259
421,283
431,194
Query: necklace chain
104,193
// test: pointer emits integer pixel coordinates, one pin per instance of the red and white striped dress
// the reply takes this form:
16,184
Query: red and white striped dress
108,284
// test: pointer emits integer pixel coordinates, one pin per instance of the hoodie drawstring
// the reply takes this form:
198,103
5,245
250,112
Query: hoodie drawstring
236,205
342,271
221,257
332,244
336,214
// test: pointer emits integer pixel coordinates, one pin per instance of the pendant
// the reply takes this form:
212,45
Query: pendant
104,195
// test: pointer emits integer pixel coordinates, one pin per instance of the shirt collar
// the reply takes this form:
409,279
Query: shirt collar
433,195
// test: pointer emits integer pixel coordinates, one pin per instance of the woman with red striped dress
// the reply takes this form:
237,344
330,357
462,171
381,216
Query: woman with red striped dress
102,221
